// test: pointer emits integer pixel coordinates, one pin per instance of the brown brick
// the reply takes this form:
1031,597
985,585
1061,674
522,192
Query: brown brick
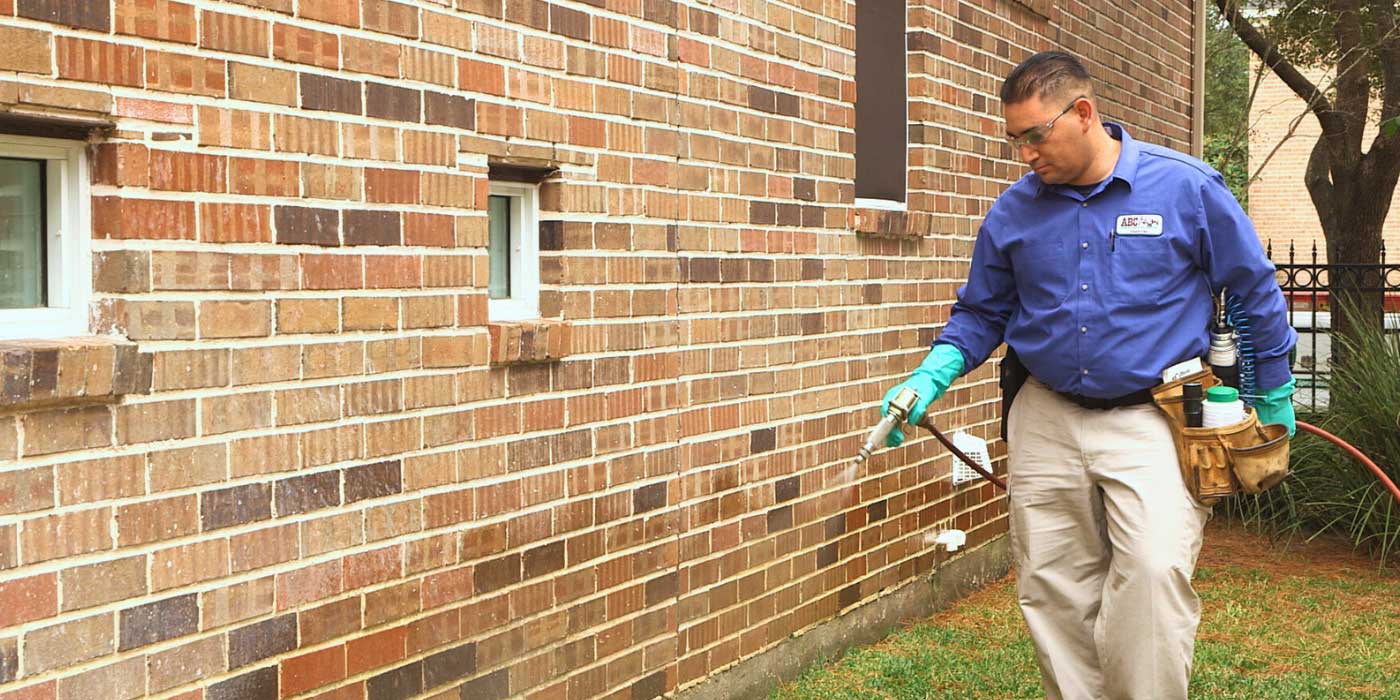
318,668
258,641
235,223
94,480
331,533
26,599
105,582
69,643
333,359
186,663
393,102
262,84
324,181
449,110
163,20
308,315
121,164
158,621
329,621
26,490
99,62
9,659
234,412
189,270
190,466
266,364
392,186
255,550
123,680
177,567
308,225
332,271
396,18
254,685
372,228
304,45
59,430
116,217
188,75
281,178
188,172
232,33
327,94
263,455
236,602
235,319
82,14
369,313
121,271
26,50
154,320
343,12
235,505
155,421
369,56
301,135
235,128
152,521
262,272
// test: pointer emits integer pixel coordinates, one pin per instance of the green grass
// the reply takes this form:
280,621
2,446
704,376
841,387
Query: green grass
1314,621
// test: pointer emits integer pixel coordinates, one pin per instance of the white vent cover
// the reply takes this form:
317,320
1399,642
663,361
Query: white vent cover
974,447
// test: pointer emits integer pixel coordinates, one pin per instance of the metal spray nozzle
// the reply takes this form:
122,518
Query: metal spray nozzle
900,405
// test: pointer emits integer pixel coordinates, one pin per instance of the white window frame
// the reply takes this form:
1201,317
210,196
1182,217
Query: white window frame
524,300
68,252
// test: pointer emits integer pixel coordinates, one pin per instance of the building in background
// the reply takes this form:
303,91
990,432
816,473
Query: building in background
377,349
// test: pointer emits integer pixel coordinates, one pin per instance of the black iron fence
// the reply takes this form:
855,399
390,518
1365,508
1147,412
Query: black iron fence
1306,285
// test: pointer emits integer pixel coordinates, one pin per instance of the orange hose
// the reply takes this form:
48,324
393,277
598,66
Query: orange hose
1355,454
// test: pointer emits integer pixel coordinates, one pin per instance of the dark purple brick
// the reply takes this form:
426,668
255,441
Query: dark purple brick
254,685
662,588
649,497
300,494
327,94
449,110
393,102
497,573
234,506
373,481
571,23
373,228
399,684
447,666
762,440
84,14
787,489
158,621
653,686
307,225
492,686
779,519
543,560
260,640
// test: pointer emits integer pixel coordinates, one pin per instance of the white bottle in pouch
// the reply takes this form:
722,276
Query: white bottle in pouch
1222,407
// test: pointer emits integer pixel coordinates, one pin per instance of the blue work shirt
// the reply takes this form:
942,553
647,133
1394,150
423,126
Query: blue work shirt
1099,292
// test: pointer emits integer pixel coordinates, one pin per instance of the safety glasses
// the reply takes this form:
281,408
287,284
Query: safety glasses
1036,135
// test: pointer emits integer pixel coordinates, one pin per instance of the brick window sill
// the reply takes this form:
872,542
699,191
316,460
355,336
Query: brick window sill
62,371
891,224
521,342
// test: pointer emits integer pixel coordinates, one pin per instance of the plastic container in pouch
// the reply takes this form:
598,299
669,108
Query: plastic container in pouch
1222,407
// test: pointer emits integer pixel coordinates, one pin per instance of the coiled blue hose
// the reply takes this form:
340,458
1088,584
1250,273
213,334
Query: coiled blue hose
1234,307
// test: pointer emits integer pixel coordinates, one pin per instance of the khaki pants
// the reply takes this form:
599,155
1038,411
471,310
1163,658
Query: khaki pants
1105,539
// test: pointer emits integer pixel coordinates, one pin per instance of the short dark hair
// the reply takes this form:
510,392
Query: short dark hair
1048,73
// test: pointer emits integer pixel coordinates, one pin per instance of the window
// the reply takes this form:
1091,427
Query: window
882,111
513,248
45,268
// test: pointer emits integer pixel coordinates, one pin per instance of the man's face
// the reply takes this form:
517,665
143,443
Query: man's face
1049,135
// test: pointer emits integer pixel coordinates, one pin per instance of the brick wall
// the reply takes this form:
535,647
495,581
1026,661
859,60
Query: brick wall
1279,202
346,483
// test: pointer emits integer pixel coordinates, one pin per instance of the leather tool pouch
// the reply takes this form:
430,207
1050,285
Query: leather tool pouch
1245,457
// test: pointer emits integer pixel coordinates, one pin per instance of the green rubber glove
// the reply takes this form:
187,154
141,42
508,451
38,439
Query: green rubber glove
1276,406
940,367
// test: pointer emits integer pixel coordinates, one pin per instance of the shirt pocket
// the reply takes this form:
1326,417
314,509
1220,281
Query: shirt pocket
1140,267
1042,274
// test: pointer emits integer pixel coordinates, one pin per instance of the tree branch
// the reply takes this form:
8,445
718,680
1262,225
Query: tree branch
1389,52
1318,179
1268,52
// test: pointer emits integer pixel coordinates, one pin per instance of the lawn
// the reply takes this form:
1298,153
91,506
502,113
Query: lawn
1308,621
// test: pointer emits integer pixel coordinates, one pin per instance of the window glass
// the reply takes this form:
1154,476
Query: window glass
22,263
498,208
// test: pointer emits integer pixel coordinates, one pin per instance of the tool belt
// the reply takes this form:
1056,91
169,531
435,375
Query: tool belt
1245,457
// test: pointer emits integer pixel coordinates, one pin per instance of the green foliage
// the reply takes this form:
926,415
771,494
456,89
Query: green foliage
1330,492
1226,146
1306,32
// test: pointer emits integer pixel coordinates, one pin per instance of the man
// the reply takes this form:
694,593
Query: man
1098,268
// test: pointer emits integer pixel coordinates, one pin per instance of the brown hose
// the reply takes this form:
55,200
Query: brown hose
959,454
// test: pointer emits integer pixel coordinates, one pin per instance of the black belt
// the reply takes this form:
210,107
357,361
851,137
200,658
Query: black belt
1141,396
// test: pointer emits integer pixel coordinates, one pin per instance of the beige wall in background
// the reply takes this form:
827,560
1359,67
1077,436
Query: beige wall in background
1278,200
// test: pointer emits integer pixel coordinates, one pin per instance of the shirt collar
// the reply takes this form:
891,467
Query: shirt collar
1125,169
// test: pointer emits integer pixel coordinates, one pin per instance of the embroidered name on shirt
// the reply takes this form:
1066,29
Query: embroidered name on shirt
1139,225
